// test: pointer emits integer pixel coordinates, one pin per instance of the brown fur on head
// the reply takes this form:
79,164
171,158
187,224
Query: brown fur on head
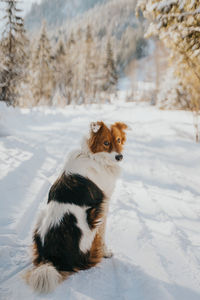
103,139
118,133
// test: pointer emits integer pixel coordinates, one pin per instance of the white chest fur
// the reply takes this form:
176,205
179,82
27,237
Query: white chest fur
99,167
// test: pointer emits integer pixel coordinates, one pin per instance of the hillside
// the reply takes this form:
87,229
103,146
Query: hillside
113,19
56,12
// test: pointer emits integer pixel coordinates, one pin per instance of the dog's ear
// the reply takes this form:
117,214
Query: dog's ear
121,125
95,126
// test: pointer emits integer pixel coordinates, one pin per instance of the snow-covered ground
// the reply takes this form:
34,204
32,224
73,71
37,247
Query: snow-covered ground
153,225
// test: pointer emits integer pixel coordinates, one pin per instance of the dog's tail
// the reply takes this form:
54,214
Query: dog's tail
44,278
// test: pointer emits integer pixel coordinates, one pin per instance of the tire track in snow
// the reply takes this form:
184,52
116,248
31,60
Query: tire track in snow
15,272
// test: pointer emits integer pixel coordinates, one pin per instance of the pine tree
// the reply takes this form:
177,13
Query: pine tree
177,24
76,64
13,53
71,40
89,38
111,76
42,78
64,74
89,65
60,51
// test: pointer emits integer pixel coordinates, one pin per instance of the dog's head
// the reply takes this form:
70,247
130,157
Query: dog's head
109,140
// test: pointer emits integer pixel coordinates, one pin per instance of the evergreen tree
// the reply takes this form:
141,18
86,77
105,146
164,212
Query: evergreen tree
89,38
177,24
111,76
76,64
90,67
13,53
42,78
60,51
71,40
87,75
64,74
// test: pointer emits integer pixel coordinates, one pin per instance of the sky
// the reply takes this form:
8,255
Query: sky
25,5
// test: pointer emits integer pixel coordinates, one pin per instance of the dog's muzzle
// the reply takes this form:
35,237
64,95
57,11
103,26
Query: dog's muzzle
119,157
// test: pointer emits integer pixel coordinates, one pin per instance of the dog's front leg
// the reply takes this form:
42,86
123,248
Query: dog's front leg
107,253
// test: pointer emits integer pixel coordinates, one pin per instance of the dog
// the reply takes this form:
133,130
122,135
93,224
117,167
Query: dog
70,231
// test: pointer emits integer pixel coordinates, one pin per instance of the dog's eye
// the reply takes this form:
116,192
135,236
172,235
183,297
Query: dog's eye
106,143
119,140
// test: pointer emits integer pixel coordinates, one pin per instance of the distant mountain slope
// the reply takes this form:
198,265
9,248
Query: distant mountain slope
113,19
55,12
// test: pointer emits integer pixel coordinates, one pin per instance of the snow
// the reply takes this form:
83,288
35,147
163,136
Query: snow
153,224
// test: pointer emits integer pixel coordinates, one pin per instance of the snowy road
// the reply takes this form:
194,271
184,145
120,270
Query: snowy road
153,225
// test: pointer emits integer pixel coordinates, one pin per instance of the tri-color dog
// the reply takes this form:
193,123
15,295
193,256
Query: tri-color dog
69,233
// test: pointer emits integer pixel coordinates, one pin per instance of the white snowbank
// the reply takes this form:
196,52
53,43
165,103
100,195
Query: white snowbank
153,225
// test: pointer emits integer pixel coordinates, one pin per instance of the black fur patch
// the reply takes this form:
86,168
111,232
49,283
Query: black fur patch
61,242
76,189
38,254
61,246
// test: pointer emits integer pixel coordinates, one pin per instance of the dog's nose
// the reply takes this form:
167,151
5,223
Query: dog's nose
118,157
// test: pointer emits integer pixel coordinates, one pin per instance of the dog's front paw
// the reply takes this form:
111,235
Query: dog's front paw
107,253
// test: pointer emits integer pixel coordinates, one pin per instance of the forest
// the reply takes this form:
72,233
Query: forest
60,67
